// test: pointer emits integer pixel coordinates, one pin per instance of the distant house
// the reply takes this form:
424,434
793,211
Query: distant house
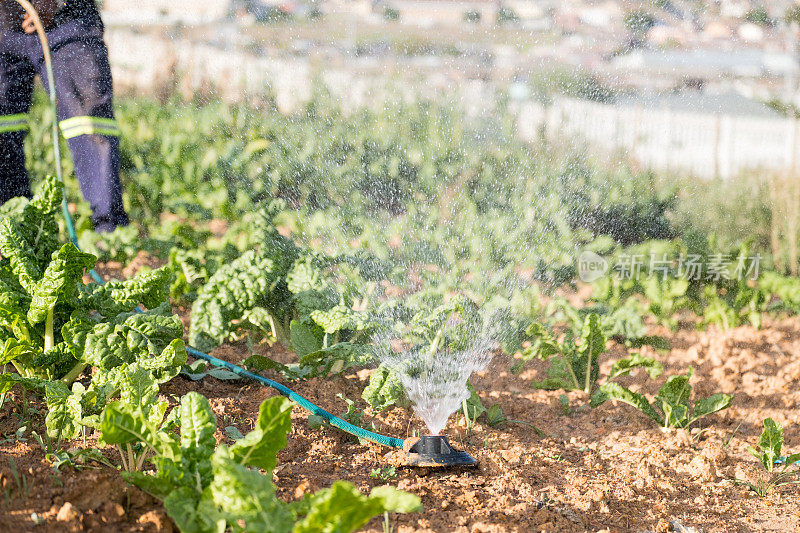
166,11
361,8
456,12
526,9
663,34
698,103
601,16
263,10
717,30
733,8
750,32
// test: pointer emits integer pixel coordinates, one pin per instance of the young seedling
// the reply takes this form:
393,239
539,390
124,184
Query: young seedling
563,401
769,453
384,474
495,416
574,363
233,433
354,415
19,478
473,408
77,458
671,407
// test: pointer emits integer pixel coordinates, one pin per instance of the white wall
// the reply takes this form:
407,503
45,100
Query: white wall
705,145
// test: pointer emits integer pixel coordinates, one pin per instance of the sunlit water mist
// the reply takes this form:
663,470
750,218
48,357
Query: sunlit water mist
436,384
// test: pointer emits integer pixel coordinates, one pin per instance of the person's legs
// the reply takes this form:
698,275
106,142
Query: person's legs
16,86
84,89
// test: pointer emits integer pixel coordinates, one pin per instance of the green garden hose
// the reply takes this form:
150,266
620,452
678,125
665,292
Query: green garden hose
285,391
299,400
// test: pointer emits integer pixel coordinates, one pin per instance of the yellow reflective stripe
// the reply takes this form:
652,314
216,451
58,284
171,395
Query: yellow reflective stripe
85,125
17,122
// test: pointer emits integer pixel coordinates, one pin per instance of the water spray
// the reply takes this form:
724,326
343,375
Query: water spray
426,451
434,377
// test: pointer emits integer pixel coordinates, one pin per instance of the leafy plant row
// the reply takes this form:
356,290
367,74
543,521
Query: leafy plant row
54,327
741,293
98,353
574,364
208,487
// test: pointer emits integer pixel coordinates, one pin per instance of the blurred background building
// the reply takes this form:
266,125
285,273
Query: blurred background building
717,80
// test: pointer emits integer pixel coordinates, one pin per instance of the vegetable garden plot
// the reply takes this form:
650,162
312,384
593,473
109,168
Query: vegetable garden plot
612,457
626,404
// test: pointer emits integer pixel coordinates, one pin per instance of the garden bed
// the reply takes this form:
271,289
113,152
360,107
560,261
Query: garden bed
607,468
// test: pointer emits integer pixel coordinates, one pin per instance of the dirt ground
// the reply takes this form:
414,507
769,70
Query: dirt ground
605,469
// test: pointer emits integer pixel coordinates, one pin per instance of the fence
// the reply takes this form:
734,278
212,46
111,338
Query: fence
703,144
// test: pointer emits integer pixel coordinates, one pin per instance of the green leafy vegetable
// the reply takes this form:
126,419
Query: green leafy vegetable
283,292
574,364
770,444
208,488
384,389
672,407
52,326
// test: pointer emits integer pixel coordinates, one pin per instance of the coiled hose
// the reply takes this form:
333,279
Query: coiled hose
283,390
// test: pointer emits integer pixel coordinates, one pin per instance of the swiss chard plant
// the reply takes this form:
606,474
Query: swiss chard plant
731,294
672,406
207,487
621,322
574,362
286,293
53,326
779,468
384,389
736,305
248,292
785,288
666,296
473,409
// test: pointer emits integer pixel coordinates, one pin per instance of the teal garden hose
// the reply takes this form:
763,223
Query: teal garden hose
299,400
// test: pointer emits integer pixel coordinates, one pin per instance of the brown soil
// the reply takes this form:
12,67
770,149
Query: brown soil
604,469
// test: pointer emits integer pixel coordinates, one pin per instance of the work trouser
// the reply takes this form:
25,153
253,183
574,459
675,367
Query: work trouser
83,85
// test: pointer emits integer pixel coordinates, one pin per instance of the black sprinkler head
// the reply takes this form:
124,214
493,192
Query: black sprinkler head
435,451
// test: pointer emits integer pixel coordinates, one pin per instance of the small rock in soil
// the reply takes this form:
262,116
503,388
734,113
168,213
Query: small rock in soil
701,468
715,452
111,512
159,521
67,513
540,517
137,498
301,489
663,526
680,528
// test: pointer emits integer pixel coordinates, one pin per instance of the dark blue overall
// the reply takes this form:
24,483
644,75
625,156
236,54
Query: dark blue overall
86,117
